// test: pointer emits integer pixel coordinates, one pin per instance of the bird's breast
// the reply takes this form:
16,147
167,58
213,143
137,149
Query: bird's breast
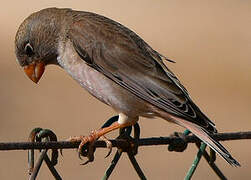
87,77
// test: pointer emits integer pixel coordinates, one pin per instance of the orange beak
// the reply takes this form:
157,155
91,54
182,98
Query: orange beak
34,71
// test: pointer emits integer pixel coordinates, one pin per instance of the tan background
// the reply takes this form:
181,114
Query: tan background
210,41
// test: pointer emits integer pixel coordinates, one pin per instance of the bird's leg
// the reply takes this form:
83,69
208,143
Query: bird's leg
94,136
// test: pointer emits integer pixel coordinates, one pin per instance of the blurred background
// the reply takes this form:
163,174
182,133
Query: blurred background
210,42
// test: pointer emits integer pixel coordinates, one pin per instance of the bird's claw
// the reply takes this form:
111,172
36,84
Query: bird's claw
108,145
86,162
86,147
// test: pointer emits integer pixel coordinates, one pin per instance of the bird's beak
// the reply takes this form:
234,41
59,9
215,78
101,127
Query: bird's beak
34,71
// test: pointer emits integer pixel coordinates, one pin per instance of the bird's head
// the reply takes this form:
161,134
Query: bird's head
36,42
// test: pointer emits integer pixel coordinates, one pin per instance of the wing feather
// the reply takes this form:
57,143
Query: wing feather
125,58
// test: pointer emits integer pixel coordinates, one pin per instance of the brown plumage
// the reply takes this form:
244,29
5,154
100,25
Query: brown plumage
115,65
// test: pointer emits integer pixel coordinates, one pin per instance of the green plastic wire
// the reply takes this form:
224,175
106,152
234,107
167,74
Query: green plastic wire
186,132
197,158
195,162
213,165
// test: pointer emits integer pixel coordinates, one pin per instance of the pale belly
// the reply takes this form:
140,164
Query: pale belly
103,88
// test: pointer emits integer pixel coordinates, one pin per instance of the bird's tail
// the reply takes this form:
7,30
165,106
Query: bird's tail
205,136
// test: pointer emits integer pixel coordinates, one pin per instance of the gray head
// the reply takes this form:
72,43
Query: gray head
37,40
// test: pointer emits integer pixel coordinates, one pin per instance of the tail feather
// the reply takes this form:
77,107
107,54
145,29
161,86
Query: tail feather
205,136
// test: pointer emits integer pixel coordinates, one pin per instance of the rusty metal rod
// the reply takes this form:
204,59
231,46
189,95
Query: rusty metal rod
120,143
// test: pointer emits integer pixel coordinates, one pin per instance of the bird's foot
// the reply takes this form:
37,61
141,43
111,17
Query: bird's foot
87,145
87,148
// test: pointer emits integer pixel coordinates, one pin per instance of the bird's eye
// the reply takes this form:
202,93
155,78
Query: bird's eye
28,50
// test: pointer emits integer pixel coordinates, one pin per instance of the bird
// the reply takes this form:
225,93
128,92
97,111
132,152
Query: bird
114,65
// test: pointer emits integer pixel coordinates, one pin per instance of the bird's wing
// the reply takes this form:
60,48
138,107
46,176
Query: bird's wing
125,58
